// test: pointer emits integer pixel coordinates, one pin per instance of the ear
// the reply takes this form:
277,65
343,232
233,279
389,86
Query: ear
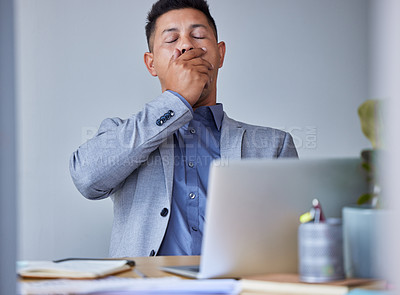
221,49
149,62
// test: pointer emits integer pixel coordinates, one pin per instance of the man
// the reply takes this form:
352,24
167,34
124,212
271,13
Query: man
154,165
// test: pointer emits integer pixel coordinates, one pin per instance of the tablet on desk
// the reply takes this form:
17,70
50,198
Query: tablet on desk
253,211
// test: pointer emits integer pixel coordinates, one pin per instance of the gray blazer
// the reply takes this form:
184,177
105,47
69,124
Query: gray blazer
132,161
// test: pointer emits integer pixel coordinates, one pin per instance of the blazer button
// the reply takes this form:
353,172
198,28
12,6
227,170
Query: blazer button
152,253
164,212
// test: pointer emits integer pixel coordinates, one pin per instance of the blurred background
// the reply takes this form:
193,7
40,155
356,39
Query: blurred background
301,66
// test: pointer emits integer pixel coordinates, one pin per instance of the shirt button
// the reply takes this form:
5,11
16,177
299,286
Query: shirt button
190,164
194,228
152,253
193,131
164,212
192,195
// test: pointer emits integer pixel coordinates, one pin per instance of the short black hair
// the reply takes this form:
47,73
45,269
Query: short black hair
164,6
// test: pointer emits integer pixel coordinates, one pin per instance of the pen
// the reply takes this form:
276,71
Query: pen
319,215
139,273
308,216
315,214
129,262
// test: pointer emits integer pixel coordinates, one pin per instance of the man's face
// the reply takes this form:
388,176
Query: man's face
184,29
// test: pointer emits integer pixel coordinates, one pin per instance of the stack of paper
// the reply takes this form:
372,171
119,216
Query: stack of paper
115,285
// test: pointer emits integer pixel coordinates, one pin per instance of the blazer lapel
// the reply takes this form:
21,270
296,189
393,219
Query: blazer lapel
167,158
231,138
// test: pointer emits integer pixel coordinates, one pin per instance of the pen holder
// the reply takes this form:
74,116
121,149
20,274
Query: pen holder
321,251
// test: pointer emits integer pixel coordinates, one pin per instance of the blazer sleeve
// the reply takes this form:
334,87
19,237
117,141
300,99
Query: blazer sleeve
288,148
101,164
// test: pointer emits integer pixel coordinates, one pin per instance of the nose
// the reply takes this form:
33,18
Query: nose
185,45
184,50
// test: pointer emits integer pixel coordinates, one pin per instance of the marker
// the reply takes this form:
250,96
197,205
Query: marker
319,215
308,216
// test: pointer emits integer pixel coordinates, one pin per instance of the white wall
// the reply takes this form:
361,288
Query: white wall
297,65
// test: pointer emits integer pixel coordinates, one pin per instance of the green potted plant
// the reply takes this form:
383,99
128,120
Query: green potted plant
371,119
361,223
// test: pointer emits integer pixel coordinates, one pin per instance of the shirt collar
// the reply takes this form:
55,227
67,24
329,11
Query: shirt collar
217,112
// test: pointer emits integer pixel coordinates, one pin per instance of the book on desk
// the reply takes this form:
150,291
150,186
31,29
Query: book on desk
73,268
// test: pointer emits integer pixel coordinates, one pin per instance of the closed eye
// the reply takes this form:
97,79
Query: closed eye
172,41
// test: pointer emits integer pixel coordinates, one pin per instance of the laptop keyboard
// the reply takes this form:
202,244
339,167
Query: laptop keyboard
195,268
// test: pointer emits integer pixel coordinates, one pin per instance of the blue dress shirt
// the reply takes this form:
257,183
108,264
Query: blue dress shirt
196,145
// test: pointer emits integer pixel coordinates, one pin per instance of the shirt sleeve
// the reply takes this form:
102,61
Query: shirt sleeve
101,164
182,99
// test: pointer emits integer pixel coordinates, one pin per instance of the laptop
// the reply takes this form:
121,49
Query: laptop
253,211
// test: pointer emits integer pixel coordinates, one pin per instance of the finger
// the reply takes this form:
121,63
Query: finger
194,53
201,62
202,69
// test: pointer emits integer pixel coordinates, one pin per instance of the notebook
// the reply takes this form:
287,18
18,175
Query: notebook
72,268
253,211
